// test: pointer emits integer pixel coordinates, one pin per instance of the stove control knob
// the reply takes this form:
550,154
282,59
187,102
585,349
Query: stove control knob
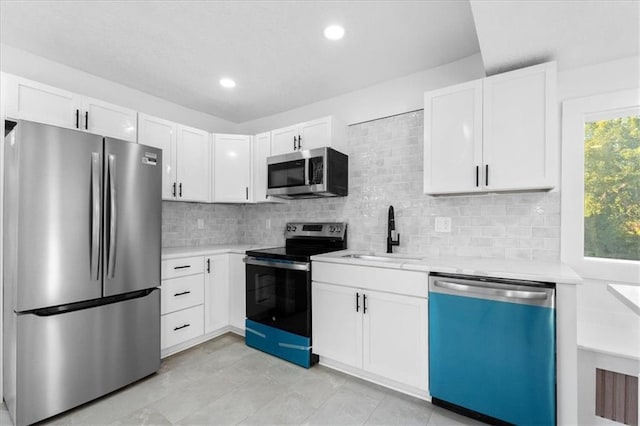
288,228
293,228
336,229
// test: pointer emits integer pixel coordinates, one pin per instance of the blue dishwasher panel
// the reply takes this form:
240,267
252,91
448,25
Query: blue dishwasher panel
493,357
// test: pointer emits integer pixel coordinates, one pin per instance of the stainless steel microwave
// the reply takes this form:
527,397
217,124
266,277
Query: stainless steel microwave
314,173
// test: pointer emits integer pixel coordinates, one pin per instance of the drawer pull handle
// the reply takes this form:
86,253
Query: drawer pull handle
182,267
181,327
182,293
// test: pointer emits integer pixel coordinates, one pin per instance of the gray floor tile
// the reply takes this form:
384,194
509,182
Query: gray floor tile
344,407
144,416
287,409
401,410
224,382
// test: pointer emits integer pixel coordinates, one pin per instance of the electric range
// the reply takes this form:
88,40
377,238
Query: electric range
278,290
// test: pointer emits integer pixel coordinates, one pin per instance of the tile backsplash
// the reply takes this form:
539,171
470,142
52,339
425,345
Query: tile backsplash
386,168
180,224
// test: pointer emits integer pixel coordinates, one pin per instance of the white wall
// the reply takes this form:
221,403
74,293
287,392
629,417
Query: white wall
25,64
381,100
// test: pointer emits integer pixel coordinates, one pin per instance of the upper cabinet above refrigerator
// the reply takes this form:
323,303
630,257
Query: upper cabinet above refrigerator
33,101
323,132
186,167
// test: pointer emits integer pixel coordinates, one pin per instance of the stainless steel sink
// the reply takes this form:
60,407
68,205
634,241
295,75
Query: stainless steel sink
380,258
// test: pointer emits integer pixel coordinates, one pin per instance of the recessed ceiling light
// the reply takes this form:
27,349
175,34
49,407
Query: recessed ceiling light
334,32
227,82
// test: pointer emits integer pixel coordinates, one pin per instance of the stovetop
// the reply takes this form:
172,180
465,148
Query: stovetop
304,240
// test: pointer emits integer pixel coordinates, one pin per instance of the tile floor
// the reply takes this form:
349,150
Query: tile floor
224,382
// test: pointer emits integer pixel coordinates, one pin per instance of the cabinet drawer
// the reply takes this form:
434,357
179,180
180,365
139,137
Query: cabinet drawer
181,326
180,293
173,268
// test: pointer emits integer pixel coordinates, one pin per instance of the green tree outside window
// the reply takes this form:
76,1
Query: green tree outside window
612,188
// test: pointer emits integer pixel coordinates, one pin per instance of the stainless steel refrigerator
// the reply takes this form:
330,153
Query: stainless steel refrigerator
82,230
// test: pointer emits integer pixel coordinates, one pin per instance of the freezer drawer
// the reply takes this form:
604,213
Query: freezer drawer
64,360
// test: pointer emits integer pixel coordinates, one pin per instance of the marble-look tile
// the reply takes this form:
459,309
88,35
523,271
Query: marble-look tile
287,409
401,410
345,407
144,416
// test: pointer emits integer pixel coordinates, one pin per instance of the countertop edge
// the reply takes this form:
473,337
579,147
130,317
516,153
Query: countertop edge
502,268
627,294
178,252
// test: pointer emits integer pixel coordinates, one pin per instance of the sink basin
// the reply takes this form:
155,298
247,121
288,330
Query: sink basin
380,258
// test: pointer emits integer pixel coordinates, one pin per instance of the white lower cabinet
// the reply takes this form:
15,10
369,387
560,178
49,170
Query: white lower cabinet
237,291
395,338
216,292
202,297
181,326
377,335
181,301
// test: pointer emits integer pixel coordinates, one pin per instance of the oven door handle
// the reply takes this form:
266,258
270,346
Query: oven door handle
296,266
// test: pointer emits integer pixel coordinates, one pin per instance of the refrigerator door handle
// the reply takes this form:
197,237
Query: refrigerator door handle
113,217
96,213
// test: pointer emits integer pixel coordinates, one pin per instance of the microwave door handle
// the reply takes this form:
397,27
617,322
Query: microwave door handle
307,171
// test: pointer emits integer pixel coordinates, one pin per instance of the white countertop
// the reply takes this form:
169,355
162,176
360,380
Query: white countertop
502,268
176,252
628,294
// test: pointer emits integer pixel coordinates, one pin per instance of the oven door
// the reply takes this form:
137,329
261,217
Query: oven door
279,294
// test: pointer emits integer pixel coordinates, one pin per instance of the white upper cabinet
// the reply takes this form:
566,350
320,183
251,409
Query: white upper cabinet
518,132
262,150
231,168
33,101
161,134
185,157
102,118
493,134
284,140
193,164
453,138
326,131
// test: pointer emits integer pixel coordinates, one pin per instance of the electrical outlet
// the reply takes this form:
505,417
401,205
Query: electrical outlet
267,223
200,224
443,224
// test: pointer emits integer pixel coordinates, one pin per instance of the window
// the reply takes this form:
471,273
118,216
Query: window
601,186
612,186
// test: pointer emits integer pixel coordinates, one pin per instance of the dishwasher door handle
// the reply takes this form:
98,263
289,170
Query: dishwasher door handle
492,291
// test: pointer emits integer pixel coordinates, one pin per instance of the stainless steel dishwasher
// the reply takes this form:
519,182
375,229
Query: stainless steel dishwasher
492,348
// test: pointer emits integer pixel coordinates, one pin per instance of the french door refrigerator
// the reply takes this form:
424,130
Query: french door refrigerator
82,229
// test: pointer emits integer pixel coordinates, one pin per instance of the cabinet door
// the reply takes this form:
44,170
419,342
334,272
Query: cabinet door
33,101
518,116
337,324
395,338
193,164
237,291
261,150
232,168
216,292
453,139
315,133
282,140
161,134
102,118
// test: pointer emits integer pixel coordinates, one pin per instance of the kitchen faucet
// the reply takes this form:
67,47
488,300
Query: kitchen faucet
391,232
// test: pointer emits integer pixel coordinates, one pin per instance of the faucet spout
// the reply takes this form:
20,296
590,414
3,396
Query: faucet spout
393,238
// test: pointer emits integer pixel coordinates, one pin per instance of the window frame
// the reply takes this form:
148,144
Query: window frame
575,113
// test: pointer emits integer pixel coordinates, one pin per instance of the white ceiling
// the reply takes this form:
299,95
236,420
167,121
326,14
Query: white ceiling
178,50
517,33
275,50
